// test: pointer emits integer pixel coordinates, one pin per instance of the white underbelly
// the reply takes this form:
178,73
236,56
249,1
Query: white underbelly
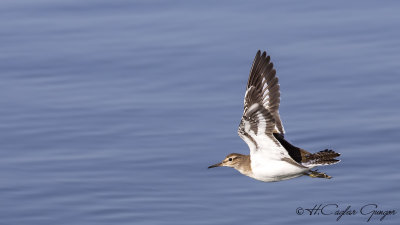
275,170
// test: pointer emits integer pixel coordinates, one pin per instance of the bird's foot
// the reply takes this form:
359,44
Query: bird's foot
316,174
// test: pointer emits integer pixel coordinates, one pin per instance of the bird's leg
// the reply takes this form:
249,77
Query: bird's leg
316,174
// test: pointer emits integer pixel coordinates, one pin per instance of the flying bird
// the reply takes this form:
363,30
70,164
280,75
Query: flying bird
272,158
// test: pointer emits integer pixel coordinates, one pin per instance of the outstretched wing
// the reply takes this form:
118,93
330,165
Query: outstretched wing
261,104
267,91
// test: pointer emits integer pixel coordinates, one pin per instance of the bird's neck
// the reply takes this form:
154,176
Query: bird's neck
244,166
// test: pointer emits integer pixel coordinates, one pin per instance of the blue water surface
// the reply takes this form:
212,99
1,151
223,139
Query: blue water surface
111,111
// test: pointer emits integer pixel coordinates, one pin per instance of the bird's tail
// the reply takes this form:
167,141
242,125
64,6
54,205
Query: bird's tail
325,157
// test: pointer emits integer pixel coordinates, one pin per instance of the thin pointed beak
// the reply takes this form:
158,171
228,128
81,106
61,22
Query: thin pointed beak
215,165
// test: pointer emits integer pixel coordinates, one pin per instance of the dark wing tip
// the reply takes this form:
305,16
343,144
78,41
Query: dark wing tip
264,55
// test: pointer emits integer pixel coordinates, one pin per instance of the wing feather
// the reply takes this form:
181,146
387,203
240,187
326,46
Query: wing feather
263,88
261,118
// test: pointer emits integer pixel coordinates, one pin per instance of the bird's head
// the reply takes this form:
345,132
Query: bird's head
231,160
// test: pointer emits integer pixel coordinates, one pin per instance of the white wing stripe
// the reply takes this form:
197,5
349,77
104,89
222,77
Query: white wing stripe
261,117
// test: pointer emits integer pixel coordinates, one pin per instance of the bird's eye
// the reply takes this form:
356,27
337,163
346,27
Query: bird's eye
230,159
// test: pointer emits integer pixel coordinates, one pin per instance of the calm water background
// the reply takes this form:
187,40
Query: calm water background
111,111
